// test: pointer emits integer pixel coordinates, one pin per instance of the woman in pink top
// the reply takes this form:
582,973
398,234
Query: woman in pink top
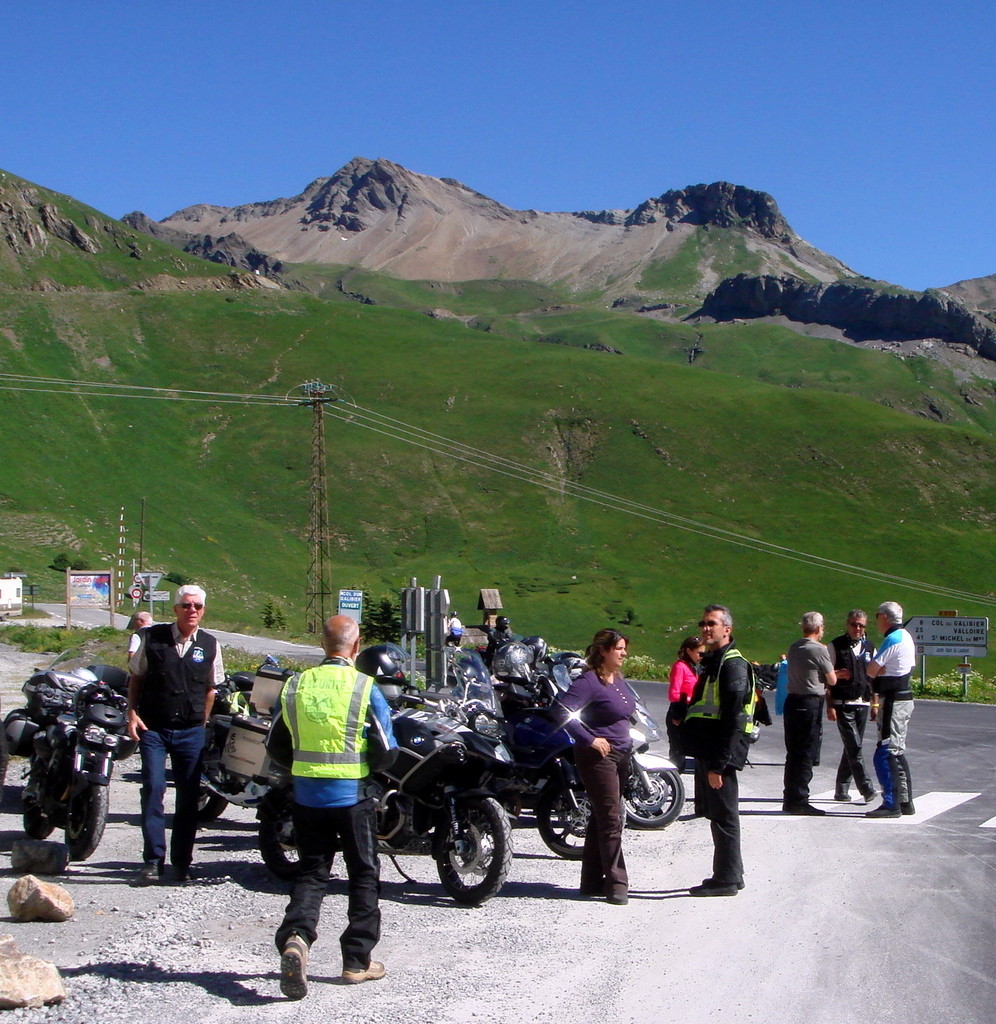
684,673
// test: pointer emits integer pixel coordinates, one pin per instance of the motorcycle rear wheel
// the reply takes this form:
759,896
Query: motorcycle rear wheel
475,871
277,846
86,817
210,806
560,824
658,805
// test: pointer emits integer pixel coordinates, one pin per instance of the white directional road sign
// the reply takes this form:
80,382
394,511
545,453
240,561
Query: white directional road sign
955,636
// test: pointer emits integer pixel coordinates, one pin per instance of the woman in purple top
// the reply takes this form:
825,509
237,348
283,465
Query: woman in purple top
684,673
599,705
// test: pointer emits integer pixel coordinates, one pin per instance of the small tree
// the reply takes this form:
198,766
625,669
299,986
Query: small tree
381,622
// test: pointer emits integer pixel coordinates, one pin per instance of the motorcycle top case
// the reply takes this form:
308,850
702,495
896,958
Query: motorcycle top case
245,748
48,698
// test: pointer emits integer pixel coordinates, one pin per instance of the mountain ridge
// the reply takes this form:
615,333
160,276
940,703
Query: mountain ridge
379,215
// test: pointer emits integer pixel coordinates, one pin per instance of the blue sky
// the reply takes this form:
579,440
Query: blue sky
871,124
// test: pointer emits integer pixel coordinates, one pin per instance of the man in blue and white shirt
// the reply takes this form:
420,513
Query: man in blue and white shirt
892,706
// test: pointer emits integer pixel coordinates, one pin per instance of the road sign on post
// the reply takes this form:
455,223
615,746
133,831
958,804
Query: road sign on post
435,655
956,636
351,603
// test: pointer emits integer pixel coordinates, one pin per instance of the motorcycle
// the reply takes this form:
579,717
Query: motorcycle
438,798
529,684
72,731
236,769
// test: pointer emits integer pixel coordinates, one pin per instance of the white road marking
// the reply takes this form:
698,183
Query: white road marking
928,806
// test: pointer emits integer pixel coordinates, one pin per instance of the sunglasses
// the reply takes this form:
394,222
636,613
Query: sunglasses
190,604
709,622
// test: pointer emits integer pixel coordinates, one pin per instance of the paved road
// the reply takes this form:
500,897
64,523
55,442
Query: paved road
253,644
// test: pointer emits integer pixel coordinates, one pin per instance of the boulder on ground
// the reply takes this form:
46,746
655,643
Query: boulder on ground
26,981
31,899
39,857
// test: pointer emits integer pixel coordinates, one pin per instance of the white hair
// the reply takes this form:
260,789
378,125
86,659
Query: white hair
892,611
191,590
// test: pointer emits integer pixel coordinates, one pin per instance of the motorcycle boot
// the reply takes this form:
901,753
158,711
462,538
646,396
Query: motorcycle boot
294,968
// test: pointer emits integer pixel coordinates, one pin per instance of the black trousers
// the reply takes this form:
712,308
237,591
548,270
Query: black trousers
851,722
603,867
803,738
320,833
722,809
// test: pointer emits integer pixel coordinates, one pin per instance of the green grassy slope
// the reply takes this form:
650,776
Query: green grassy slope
766,434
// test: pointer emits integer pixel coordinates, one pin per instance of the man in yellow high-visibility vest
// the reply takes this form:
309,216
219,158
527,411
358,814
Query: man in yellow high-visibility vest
327,711
716,732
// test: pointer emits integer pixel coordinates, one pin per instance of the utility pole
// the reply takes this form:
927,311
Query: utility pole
319,591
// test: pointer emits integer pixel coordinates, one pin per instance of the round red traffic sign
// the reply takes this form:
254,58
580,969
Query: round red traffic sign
136,592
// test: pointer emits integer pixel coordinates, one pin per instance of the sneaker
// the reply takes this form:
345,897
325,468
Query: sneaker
294,968
148,874
714,889
884,812
374,972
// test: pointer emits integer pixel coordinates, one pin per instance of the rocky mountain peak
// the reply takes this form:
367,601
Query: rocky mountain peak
721,204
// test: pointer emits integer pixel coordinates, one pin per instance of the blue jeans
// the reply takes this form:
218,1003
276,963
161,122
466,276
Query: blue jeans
185,748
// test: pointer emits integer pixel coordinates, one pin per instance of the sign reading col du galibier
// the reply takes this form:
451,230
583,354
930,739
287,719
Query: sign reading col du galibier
955,636
351,603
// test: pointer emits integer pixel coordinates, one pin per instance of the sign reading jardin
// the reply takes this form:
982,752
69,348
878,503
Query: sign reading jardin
950,636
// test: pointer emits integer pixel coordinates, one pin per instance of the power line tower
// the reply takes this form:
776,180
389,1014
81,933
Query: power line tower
319,591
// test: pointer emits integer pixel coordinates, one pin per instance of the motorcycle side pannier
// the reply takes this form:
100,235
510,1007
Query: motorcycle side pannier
245,748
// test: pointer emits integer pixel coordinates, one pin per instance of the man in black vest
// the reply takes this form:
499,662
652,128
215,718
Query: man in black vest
850,698
170,693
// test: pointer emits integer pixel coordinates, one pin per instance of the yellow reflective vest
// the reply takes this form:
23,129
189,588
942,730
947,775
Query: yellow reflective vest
708,705
325,709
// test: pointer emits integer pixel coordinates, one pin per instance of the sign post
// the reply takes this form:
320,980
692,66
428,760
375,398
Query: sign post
948,635
351,604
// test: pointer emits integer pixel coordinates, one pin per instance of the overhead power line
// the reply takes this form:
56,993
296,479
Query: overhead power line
438,444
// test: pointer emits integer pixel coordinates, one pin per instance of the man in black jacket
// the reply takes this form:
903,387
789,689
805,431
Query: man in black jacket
717,734
850,698
170,694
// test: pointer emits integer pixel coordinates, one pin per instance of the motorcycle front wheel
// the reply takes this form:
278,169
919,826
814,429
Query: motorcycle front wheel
560,823
36,822
474,865
653,799
85,820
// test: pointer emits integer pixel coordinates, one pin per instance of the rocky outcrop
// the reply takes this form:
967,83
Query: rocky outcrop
720,204
26,981
230,250
859,308
28,221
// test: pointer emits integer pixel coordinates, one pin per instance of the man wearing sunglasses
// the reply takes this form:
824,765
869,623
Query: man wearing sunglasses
170,694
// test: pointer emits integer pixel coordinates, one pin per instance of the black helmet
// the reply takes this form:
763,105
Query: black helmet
538,646
502,622
512,661
382,661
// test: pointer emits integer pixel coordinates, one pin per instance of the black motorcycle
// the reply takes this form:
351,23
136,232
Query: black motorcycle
438,797
73,729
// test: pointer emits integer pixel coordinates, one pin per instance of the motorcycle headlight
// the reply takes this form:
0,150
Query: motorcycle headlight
485,724
94,734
